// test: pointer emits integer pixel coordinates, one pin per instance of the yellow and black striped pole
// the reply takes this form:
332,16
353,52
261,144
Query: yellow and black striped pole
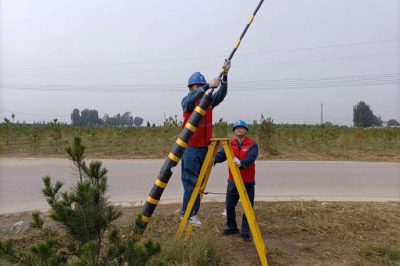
179,147
173,159
237,44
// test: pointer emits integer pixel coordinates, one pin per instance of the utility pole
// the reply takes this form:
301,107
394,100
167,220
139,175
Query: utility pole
322,114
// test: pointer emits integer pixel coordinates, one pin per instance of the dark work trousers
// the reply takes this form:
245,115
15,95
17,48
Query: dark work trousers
232,199
192,160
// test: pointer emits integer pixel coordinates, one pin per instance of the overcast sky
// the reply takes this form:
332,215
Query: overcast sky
117,56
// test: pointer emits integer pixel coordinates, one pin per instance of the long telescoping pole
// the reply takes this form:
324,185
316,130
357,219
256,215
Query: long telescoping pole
141,221
251,18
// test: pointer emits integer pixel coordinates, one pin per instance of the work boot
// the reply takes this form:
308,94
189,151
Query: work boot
246,237
230,231
194,220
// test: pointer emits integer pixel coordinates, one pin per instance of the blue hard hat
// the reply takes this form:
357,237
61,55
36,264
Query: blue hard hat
240,123
196,78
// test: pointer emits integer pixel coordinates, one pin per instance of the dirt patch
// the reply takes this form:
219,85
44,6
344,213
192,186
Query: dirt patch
295,233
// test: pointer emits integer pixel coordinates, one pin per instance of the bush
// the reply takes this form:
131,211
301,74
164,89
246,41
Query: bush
221,129
265,135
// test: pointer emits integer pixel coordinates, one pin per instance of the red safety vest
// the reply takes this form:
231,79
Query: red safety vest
202,136
249,173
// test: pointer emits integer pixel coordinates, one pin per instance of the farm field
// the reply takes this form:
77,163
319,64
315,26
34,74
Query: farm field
281,142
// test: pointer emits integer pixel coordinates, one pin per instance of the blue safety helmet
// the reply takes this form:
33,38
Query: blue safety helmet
196,78
240,123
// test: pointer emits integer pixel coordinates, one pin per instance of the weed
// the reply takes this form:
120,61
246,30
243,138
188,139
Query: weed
384,255
197,251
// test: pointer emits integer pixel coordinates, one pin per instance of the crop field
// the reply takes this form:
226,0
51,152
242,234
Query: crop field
278,142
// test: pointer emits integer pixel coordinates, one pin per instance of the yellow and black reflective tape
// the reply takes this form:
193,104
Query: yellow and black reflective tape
237,44
250,20
173,157
191,127
181,143
145,218
160,183
152,200
200,110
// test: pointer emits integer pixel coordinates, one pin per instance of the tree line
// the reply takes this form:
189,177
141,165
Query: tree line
363,116
90,117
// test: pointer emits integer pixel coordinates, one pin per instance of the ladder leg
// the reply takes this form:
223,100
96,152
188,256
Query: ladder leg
201,183
203,186
188,231
247,208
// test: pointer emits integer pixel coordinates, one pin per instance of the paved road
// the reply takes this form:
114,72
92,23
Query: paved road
131,180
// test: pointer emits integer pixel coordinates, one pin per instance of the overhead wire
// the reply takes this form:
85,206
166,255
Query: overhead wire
31,114
236,66
235,86
244,85
183,84
215,56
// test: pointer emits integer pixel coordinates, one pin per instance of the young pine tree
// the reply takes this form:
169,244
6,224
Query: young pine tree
85,215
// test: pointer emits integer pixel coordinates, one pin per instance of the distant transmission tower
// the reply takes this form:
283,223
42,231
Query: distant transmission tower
322,114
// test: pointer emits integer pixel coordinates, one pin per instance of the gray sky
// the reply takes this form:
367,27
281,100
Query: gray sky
117,56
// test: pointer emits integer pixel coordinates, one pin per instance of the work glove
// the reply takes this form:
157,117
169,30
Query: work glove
214,83
226,67
237,162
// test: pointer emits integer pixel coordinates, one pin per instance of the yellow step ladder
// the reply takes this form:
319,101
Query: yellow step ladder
244,198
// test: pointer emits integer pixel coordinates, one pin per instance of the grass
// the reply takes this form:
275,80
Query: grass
289,142
295,233
382,255
197,251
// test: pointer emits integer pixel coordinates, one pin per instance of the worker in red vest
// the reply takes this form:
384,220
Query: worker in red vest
245,151
196,150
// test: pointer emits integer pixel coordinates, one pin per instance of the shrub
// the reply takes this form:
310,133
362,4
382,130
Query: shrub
266,134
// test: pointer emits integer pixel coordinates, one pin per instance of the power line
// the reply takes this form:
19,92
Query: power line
324,47
367,76
216,56
31,114
249,85
236,66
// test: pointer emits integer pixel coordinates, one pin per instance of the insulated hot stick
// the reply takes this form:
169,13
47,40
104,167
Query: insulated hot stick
141,221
